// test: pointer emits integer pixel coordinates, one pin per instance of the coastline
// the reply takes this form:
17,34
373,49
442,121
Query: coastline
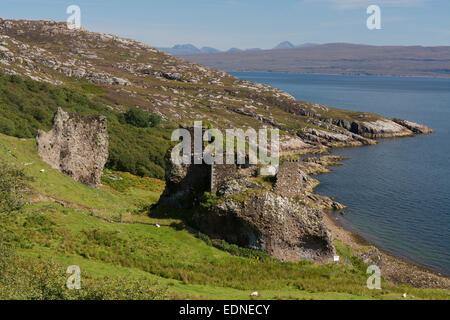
397,270
393,269
445,77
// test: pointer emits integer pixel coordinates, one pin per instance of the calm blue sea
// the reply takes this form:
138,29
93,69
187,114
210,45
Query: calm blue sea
398,192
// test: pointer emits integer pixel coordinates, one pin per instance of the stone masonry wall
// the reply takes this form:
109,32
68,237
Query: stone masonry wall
220,173
290,180
76,145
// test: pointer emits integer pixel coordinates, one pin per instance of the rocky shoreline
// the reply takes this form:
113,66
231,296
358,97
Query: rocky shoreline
280,213
393,269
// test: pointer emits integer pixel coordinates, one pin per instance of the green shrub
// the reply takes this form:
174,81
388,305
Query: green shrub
209,200
137,117
155,119
142,119
13,188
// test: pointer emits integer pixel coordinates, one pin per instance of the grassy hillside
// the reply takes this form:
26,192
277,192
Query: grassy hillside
117,74
27,105
66,223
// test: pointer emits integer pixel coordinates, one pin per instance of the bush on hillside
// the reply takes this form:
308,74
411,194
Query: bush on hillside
13,188
155,119
142,119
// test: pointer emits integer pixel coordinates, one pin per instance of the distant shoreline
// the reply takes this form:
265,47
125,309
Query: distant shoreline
344,74
337,59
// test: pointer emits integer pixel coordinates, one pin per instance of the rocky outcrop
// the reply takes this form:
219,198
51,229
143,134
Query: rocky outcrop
252,216
381,128
334,139
102,78
76,145
414,127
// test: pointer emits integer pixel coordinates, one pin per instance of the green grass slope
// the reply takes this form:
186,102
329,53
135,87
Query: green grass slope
66,223
27,105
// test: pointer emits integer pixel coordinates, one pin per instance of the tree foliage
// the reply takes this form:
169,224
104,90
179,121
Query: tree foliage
142,119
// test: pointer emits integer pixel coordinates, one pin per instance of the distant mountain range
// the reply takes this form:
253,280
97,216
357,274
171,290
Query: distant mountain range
189,49
284,45
335,58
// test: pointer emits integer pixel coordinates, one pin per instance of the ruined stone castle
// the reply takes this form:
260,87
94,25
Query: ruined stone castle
77,145
248,212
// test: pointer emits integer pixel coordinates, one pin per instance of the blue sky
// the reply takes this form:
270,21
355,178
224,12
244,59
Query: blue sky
250,23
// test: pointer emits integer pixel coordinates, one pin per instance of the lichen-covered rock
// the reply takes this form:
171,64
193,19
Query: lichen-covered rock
253,216
76,145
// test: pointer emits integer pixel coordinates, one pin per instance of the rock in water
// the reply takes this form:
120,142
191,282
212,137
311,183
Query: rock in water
77,145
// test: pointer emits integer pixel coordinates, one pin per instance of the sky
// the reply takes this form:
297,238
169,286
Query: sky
250,23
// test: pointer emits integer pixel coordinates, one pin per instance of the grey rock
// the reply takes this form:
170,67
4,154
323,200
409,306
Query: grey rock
76,145
257,218
414,127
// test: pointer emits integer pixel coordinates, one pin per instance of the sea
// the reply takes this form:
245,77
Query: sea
397,192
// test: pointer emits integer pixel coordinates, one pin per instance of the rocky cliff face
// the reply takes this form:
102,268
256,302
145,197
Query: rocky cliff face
414,127
381,128
76,145
251,215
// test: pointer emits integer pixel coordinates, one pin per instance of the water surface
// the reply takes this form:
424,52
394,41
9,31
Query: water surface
398,192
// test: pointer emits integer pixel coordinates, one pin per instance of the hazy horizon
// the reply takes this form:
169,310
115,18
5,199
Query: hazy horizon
224,24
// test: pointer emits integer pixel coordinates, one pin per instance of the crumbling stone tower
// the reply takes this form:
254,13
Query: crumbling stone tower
77,145
290,179
186,183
